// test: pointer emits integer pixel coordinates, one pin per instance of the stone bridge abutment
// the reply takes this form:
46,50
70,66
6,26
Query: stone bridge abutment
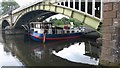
111,34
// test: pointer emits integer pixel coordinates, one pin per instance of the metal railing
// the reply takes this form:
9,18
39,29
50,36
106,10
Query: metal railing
91,7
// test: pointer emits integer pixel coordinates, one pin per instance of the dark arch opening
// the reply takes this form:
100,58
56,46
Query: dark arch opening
32,16
4,24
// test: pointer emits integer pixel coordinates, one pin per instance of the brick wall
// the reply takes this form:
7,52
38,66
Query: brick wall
111,15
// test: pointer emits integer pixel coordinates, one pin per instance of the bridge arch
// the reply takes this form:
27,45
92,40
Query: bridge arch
5,23
31,16
79,15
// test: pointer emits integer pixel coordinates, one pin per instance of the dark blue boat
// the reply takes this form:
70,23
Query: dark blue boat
45,31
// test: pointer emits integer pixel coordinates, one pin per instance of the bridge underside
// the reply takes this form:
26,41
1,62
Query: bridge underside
34,16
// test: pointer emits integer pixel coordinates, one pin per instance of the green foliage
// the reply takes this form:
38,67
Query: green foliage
71,20
6,6
58,22
77,23
65,21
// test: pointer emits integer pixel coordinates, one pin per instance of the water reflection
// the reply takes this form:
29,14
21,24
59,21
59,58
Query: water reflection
77,53
71,52
6,57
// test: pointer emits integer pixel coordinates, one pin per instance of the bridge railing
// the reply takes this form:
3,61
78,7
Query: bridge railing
91,7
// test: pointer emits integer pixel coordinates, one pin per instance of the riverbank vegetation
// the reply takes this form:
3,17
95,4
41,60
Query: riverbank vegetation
7,6
65,21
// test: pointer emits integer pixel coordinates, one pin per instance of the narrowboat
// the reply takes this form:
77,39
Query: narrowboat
41,31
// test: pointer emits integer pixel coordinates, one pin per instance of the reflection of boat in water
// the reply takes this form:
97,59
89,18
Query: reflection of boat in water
38,53
75,52
47,48
46,31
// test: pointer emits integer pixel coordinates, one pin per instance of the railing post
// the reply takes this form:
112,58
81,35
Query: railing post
86,6
68,3
80,5
73,4
101,10
64,3
93,7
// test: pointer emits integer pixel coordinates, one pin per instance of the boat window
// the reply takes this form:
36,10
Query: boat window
72,31
68,31
32,29
32,25
36,31
40,25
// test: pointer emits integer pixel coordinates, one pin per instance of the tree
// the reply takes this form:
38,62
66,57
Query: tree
77,23
65,20
59,22
6,6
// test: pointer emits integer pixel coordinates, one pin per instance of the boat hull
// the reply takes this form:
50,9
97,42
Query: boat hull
40,37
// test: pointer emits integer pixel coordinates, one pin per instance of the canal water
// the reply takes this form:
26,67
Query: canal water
19,50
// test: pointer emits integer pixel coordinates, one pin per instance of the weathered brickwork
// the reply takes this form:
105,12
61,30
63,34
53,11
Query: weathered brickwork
107,37
107,7
108,22
110,14
111,19
115,6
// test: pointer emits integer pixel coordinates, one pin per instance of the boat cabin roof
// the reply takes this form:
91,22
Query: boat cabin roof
40,23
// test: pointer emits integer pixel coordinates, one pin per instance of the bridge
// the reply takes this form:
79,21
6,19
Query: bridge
89,13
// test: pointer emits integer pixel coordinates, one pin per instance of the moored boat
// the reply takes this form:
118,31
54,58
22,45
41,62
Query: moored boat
41,31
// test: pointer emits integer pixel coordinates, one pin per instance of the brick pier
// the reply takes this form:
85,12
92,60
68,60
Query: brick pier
111,32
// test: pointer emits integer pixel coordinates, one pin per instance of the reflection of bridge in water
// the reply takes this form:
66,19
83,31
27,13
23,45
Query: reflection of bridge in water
34,53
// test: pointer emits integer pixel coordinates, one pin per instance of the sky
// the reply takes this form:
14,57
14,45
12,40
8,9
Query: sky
23,2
